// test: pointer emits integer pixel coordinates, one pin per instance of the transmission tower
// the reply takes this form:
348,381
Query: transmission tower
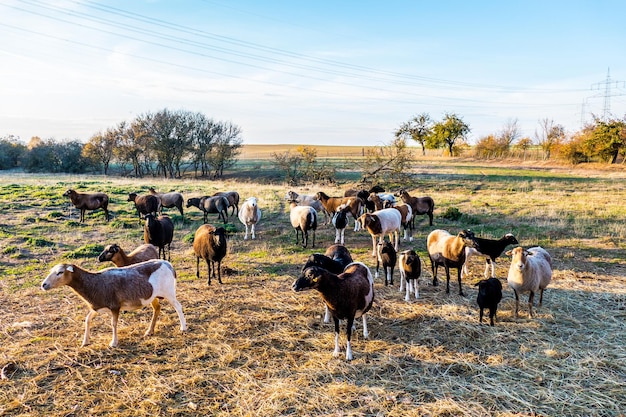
608,84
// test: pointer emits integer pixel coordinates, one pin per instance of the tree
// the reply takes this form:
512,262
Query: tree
524,145
100,147
11,152
226,147
608,139
387,164
549,136
290,164
418,129
203,135
448,133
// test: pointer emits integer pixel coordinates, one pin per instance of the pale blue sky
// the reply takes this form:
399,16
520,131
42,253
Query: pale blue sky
321,72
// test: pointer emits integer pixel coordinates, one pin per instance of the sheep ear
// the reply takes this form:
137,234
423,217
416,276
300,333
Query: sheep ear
70,268
508,253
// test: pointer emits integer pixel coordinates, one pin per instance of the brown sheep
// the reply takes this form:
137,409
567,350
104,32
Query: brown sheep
420,205
209,243
145,204
89,201
116,254
332,203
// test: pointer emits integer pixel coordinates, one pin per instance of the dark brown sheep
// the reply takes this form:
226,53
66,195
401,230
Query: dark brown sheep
420,205
209,243
145,204
159,231
88,201
169,200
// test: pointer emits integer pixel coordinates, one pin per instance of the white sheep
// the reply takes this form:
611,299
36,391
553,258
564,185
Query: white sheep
116,289
449,251
380,223
303,219
249,215
530,271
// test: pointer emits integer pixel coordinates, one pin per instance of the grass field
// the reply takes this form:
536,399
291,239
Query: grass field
254,347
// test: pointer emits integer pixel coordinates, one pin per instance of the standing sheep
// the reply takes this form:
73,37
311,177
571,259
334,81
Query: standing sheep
88,201
449,251
145,204
420,205
387,256
249,216
340,222
489,295
159,231
211,205
380,223
303,219
209,243
169,200
490,249
530,271
233,200
410,267
307,200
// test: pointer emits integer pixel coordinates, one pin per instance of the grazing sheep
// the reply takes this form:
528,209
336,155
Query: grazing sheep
303,219
380,223
169,200
420,205
211,205
159,231
116,289
387,256
209,243
449,251
340,222
348,295
490,249
145,204
410,267
116,254
89,201
530,271
249,216
307,200
331,203
233,200
489,295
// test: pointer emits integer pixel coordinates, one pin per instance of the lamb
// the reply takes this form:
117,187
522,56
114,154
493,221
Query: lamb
159,231
340,222
233,199
410,267
88,201
169,200
307,200
380,223
211,205
530,271
489,295
420,205
145,204
489,248
387,256
249,216
116,254
348,295
331,203
209,243
449,251
303,219
116,289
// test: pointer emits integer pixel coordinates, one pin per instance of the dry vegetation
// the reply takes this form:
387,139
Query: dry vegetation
254,347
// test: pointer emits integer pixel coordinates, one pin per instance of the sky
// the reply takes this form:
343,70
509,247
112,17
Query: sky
315,72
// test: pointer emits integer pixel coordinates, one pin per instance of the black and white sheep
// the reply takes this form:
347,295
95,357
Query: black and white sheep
489,295
348,296
340,222
145,204
88,201
159,231
116,254
449,251
303,219
209,243
382,222
116,289
530,271
490,249
169,200
386,256
410,267
211,205
249,216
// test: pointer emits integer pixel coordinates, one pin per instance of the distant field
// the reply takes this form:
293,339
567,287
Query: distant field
265,151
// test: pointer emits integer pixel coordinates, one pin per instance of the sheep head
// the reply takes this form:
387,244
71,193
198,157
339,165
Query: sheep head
108,252
309,280
468,238
60,274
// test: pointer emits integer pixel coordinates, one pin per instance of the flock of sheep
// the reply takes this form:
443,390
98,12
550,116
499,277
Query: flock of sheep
141,277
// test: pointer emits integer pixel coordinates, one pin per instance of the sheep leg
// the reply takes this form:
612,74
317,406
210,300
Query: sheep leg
531,299
156,309
313,245
373,246
349,335
82,215
219,271
337,236
179,310
402,279
114,316
365,332
493,269
434,268
480,320
459,279
407,296
416,290
197,267
540,297
447,268
245,237
252,231
208,267
90,315
492,315
516,302
337,350
326,314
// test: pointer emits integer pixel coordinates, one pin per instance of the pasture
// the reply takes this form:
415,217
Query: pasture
254,347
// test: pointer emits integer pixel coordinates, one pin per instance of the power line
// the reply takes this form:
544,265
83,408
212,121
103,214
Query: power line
608,84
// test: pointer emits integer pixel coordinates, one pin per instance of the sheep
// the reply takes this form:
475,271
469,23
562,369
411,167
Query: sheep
116,254
340,222
159,231
363,195
307,200
331,203
303,219
209,243
380,223
407,216
449,251
88,201
530,271
116,289
249,216
387,256
410,267
420,205
145,204
233,200
348,295
489,248
169,200
211,205
489,295
340,254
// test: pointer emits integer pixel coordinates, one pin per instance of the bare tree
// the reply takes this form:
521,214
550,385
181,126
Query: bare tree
549,136
387,164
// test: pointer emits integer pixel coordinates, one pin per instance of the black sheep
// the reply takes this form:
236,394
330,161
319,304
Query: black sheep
209,243
159,231
489,295
387,256
145,204
490,249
